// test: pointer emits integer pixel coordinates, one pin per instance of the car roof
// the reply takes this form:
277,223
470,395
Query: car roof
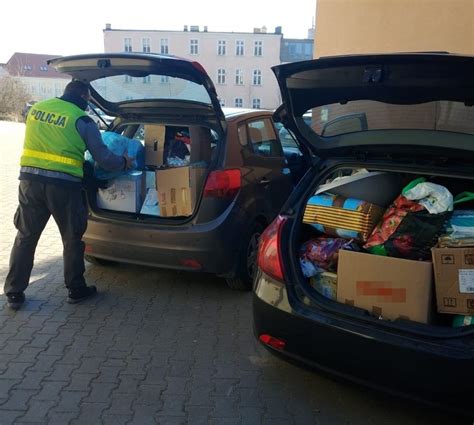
231,113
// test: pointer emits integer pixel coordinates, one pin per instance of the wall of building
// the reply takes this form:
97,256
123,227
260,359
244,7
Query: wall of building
179,45
380,26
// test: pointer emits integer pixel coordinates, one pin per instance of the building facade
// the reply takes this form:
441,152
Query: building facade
239,64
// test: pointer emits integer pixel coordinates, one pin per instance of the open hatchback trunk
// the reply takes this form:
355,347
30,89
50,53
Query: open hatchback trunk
167,109
382,125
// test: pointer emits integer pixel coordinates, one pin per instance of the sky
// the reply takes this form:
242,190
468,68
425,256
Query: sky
66,28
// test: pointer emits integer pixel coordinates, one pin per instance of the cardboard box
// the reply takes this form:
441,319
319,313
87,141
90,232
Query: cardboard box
200,144
454,280
387,287
178,189
154,144
122,193
150,204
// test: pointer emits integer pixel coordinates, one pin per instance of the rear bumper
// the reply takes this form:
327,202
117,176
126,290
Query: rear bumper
390,363
209,247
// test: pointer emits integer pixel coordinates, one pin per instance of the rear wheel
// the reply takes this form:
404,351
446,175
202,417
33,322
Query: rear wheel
99,261
247,262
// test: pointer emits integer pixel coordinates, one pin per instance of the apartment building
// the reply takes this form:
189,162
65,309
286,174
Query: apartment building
40,80
238,63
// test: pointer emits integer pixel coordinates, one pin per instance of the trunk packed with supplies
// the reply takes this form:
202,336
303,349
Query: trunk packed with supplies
167,177
398,246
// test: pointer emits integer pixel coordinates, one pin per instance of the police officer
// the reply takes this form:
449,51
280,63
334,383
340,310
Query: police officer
58,132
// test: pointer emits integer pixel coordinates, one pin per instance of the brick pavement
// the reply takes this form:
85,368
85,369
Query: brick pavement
155,347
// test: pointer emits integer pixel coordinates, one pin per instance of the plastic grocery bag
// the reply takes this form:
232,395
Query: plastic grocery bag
119,145
408,229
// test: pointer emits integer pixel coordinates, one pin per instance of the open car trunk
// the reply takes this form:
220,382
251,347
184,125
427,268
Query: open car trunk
172,164
355,259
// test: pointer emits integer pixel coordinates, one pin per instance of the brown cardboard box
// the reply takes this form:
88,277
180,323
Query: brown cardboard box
178,189
154,144
454,279
385,286
200,143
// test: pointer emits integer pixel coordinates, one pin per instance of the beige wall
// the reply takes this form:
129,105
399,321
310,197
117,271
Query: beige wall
380,26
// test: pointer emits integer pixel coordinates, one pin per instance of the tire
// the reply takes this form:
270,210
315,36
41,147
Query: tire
99,261
247,261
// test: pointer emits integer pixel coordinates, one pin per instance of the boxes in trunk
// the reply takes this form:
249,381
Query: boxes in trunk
123,193
178,189
388,287
454,279
154,144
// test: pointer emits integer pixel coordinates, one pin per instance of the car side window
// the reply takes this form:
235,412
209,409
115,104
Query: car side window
261,138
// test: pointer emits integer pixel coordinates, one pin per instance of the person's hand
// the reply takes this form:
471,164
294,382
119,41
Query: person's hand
128,161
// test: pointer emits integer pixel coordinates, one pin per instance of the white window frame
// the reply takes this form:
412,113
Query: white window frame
239,102
127,44
257,77
258,48
146,45
194,46
221,48
128,79
239,77
221,76
222,102
164,48
147,79
164,79
239,48
256,103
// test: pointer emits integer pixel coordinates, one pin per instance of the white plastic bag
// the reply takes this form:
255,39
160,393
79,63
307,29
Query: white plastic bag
434,197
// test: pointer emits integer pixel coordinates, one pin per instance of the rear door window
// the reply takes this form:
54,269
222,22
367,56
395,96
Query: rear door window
260,137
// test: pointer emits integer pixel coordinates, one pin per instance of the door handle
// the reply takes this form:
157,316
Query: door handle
264,181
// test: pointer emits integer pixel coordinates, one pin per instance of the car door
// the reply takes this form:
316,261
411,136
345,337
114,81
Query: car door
268,169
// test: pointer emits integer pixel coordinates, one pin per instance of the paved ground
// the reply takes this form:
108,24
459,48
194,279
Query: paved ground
156,347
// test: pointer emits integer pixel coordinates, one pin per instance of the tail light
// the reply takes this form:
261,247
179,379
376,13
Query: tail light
277,343
222,183
269,250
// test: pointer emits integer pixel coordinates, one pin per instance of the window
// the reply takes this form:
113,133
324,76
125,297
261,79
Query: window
222,102
127,44
257,77
146,45
221,76
128,79
27,67
221,51
43,68
256,103
239,77
147,79
164,79
164,50
261,138
193,47
257,48
238,102
239,48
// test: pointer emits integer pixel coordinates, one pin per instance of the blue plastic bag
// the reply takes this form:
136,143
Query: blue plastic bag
119,145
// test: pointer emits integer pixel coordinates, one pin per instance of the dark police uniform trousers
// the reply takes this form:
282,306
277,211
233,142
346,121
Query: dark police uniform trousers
39,201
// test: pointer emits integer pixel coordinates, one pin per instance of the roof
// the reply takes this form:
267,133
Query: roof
235,112
32,65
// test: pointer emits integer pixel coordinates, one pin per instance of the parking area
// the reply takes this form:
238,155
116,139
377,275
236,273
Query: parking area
155,347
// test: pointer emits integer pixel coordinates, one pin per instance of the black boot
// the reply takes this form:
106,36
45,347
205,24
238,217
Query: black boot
80,294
